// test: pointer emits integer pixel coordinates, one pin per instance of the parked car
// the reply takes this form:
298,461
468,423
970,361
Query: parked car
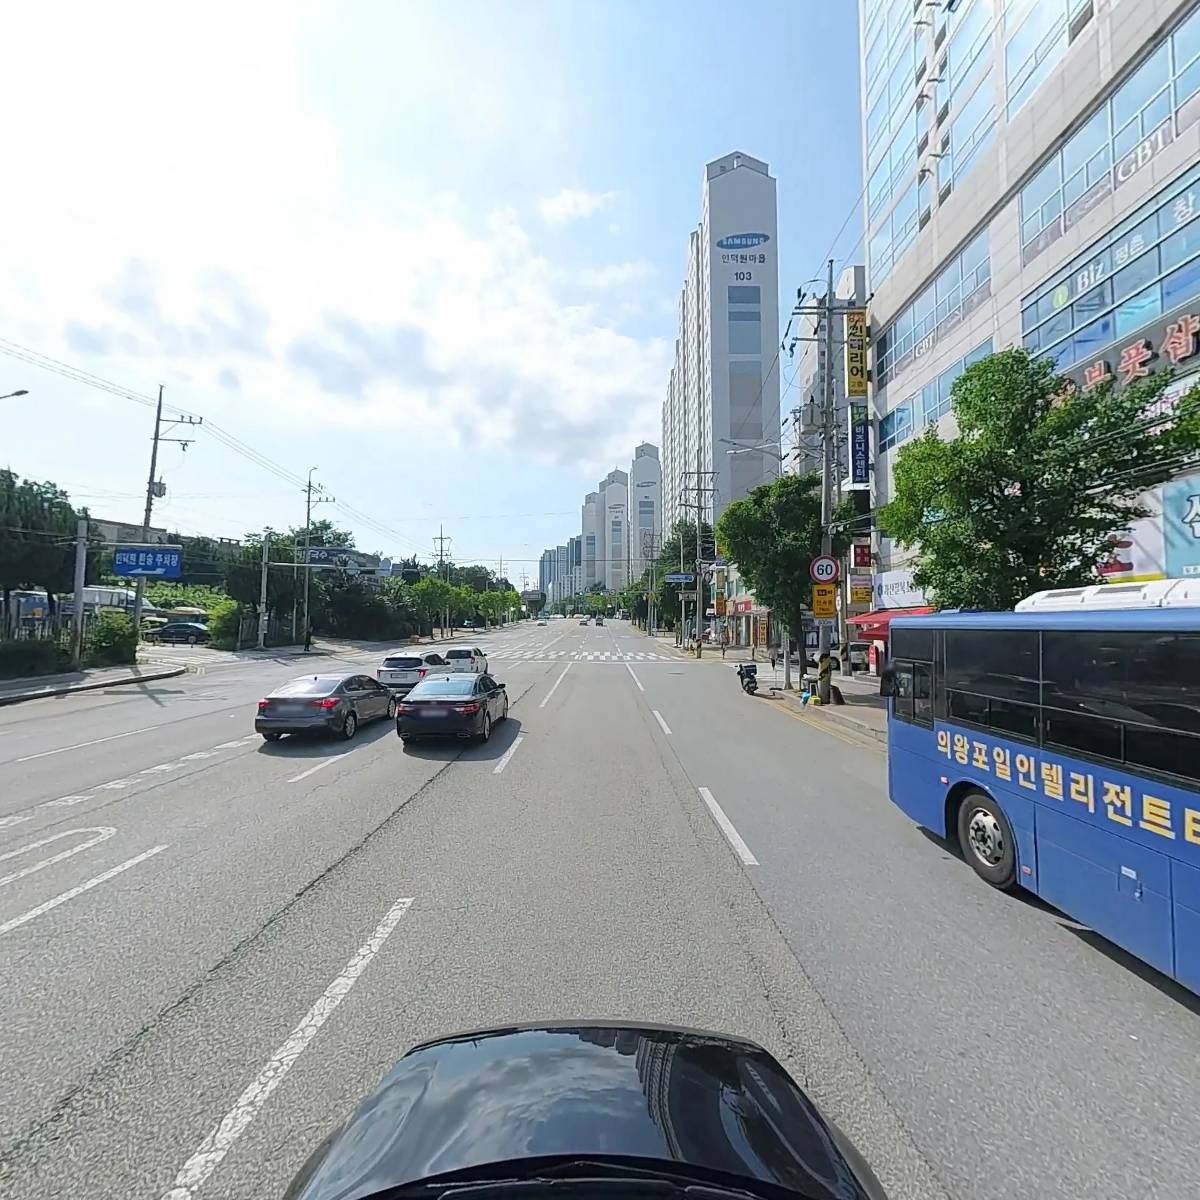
453,705
404,669
465,658
333,704
189,633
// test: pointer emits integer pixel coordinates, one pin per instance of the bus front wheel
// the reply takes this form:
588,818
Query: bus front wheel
987,841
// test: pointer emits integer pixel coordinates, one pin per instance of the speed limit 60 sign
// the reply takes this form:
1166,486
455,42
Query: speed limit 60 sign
824,569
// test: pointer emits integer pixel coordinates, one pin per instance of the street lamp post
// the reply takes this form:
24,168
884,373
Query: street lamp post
18,392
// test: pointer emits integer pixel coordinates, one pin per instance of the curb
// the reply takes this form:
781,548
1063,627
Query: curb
20,697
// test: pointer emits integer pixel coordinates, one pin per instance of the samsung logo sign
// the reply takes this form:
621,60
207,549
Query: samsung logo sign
743,241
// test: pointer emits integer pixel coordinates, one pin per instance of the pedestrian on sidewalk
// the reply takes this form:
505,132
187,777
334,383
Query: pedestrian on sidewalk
307,639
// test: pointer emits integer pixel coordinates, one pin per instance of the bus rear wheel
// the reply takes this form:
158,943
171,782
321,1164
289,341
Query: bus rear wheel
987,840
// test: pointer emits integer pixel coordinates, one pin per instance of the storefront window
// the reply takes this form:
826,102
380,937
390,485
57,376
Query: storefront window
1144,267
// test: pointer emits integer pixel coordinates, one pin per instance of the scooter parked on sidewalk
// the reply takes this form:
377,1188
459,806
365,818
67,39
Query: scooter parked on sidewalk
748,677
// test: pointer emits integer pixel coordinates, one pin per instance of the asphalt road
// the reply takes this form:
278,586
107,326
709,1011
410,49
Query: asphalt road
211,947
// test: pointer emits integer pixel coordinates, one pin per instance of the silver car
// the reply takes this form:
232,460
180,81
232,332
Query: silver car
402,670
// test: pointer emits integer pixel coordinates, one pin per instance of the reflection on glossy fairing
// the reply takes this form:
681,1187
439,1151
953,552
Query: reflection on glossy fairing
686,1099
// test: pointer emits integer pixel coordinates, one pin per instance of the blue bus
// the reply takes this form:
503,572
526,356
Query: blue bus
1062,750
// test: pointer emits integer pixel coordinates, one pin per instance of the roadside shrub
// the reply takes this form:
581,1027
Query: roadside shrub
112,640
34,656
223,621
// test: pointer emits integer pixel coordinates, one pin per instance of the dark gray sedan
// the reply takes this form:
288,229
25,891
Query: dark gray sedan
459,705
333,704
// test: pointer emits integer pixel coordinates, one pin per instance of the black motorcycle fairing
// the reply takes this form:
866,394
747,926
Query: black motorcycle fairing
504,1103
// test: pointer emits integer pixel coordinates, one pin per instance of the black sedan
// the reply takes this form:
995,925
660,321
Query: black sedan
459,705
189,633
333,704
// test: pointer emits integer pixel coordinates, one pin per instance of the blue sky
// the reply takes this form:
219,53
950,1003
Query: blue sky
432,250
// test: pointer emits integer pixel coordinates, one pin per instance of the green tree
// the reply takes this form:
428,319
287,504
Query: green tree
671,560
773,534
431,596
37,539
1040,476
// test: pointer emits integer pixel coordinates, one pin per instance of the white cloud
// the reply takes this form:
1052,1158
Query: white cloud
616,274
232,257
573,204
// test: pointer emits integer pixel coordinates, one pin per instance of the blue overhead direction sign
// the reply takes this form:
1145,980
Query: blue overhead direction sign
678,578
154,562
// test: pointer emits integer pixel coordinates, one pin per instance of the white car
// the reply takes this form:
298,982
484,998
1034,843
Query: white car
466,658
404,669
542,621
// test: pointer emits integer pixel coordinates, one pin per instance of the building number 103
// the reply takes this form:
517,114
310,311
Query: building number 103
743,276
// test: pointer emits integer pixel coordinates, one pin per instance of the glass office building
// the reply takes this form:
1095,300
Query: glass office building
1033,178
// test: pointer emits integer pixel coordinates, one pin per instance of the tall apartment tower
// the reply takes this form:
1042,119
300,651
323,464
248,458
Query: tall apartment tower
723,389
645,508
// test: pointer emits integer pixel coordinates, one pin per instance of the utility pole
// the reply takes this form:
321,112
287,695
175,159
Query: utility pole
443,567
309,501
698,506
262,591
155,489
81,541
824,667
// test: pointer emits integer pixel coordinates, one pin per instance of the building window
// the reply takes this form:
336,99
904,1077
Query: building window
745,331
1033,49
969,42
1139,270
971,130
616,534
896,426
645,514
957,291
744,294
1095,161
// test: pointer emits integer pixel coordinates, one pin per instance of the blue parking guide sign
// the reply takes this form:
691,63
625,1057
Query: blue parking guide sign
158,562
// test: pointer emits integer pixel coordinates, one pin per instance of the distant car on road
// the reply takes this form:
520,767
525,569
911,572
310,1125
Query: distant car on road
584,621
404,669
599,620
333,704
542,621
190,633
455,705
465,658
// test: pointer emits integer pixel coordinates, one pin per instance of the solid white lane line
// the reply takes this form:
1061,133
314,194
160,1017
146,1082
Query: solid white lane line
635,678
81,745
95,881
16,819
199,754
508,754
102,832
732,836
658,717
62,801
228,745
234,1123
319,767
555,687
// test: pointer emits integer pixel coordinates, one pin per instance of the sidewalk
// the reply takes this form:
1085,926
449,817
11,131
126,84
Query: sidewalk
864,711
13,691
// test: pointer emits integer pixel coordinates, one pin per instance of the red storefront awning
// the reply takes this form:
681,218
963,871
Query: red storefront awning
873,626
